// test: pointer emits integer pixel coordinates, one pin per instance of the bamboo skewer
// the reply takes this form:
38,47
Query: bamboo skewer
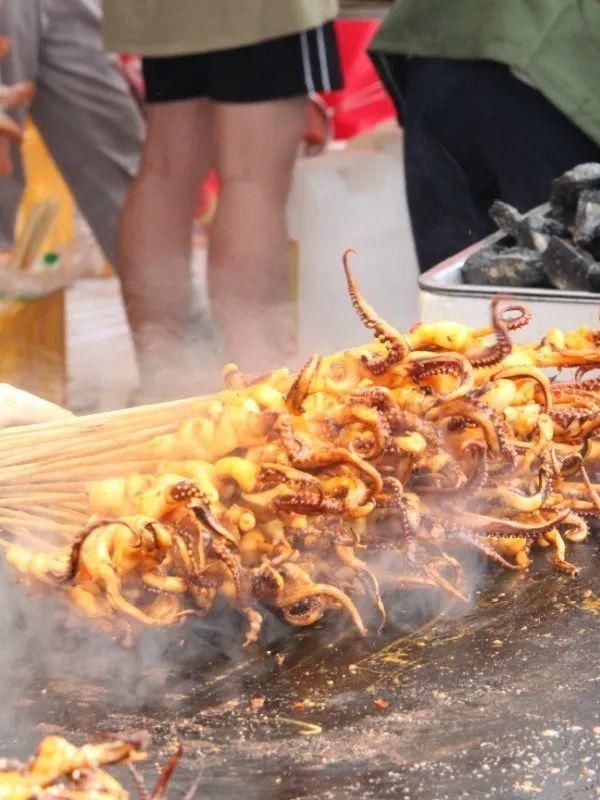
42,494
39,497
176,411
68,473
22,518
117,455
45,510
77,517
90,434
21,533
137,442
38,232
30,241
58,488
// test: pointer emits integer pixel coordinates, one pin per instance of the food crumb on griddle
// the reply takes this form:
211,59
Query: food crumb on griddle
527,786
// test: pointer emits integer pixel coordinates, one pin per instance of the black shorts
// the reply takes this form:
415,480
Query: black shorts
288,66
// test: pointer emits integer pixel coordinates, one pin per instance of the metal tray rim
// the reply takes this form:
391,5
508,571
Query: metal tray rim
428,281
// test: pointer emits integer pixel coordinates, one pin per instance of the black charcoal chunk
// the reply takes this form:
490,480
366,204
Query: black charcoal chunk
511,266
534,231
566,190
593,278
587,217
566,267
506,217
593,245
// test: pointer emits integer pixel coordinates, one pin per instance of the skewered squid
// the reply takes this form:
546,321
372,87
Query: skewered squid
369,471
61,771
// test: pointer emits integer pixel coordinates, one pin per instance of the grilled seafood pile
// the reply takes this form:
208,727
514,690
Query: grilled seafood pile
368,472
62,771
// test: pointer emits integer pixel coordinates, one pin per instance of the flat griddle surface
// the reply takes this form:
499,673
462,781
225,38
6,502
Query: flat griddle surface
503,702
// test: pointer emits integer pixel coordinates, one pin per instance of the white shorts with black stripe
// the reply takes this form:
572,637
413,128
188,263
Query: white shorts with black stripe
288,66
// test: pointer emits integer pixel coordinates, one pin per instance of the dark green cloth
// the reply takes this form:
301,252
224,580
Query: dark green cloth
556,43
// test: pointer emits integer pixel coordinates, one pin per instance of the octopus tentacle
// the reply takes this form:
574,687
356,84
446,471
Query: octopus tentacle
400,420
273,474
374,420
303,457
222,552
255,620
234,379
404,534
576,527
532,373
300,388
207,518
494,527
520,321
396,345
472,539
75,550
432,571
391,494
518,501
425,365
502,346
590,384
479,476
322,591
591,491
308,503
368,579
492,425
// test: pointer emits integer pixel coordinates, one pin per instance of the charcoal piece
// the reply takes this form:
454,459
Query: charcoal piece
587,217
593,245
512,266
566,190
593,278
567,267
534,231
506,217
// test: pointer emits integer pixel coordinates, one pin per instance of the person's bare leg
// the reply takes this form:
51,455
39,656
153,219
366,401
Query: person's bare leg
255,148
154,250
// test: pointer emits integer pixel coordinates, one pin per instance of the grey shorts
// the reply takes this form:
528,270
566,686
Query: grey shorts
83,109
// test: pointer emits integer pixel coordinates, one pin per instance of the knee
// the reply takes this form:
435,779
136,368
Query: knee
269,182
172,158
160,160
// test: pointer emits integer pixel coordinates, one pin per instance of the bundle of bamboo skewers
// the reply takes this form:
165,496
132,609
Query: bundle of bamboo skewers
29,243
44,468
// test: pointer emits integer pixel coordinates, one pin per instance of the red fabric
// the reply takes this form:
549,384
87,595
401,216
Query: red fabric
363,103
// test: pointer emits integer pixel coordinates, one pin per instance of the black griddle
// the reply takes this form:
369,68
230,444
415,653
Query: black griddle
500,702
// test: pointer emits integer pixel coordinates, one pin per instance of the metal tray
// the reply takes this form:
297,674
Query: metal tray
443,295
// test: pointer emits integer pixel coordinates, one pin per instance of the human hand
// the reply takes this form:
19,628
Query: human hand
22,408
16,96
9,132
